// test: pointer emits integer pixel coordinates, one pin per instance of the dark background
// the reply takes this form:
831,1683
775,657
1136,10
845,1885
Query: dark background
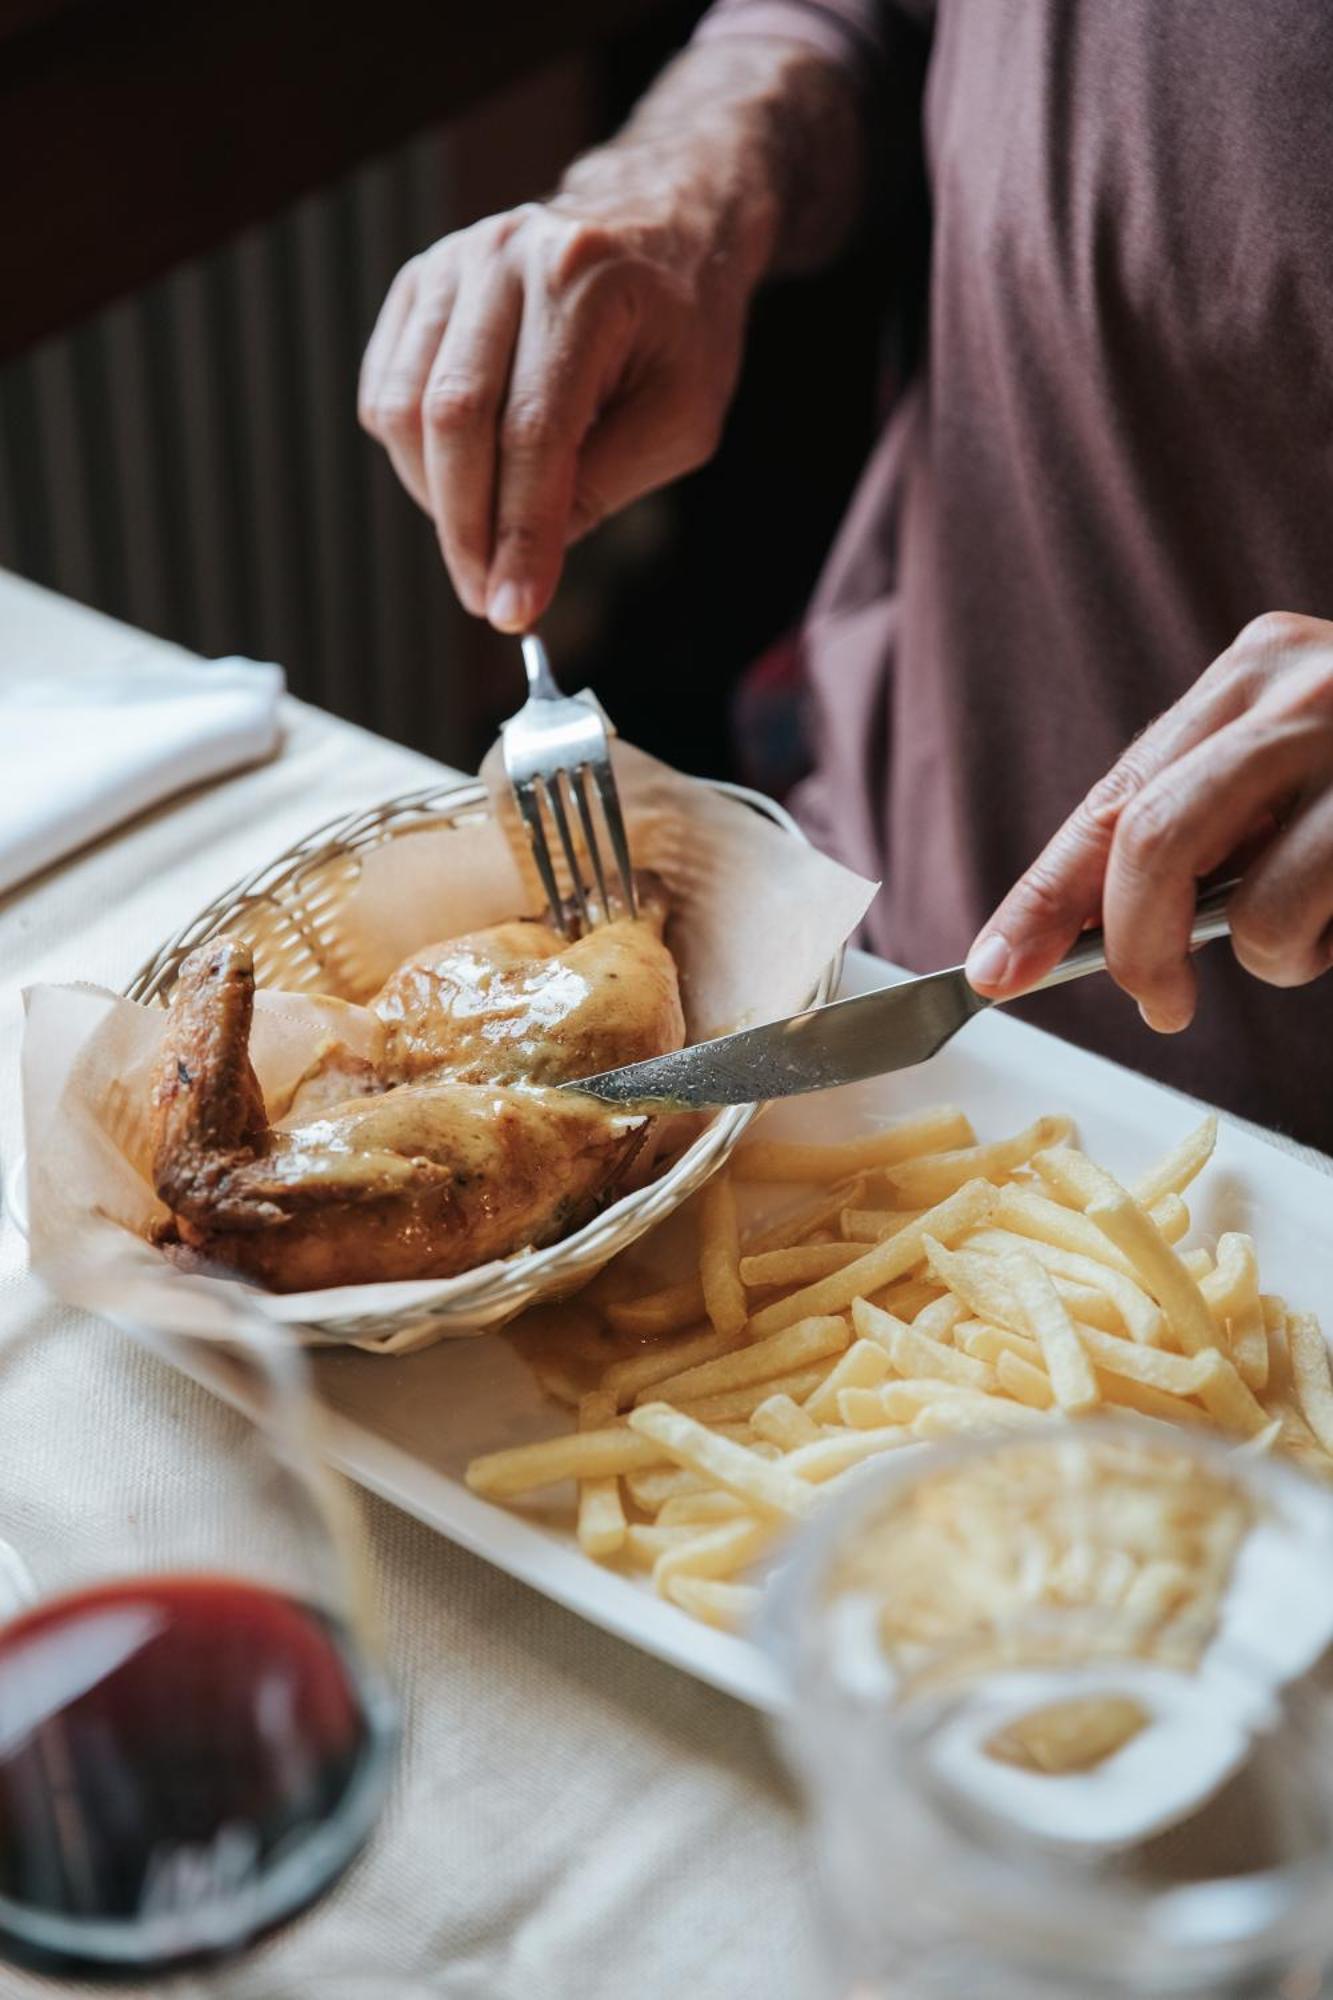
212,204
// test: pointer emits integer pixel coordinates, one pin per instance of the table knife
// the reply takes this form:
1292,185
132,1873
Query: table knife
870,1035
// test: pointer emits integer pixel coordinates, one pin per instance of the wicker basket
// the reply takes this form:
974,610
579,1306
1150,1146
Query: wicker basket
286,911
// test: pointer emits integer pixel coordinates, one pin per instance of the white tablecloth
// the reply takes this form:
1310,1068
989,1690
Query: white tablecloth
572,1820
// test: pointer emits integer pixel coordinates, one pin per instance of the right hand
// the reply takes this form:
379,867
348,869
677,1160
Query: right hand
536,372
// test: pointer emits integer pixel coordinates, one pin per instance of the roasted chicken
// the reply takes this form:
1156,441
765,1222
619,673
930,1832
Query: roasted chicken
451,1146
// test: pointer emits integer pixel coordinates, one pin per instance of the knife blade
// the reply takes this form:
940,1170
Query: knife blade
870,1035
894,1028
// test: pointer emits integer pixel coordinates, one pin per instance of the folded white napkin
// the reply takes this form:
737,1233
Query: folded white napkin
83,750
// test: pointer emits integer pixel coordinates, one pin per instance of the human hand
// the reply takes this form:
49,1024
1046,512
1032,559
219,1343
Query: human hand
1239,771
534,373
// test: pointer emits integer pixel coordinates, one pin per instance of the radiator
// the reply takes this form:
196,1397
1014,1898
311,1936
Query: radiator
190,461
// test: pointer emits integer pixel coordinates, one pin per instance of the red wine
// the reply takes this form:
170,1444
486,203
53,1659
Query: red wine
185,1763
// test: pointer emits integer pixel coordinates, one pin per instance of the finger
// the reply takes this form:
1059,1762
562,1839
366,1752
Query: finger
1178,829
1062,891
1282,914
392,318
460,415
561,376
634,448
395,404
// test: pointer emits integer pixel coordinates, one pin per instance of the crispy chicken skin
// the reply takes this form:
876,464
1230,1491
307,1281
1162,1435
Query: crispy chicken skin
462,1153
519,1003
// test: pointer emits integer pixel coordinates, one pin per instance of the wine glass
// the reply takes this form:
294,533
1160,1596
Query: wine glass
196,1734
1062,1708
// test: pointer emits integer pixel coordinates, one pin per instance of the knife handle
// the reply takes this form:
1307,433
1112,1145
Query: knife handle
1089,954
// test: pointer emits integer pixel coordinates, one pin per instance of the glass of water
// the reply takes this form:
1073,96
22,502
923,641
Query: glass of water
1062,1710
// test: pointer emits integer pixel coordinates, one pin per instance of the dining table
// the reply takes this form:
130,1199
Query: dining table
571,1818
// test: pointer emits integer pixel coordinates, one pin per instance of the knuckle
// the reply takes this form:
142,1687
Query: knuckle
455,404
393,417
1275,631
1267,942
1146,828
531,428
583,247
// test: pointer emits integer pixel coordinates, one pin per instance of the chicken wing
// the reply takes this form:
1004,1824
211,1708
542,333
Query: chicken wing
421,1180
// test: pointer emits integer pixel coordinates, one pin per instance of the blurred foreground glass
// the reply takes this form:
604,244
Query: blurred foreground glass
1061,1710
195,1734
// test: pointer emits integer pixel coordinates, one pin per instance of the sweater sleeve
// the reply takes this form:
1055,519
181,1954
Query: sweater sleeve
855,34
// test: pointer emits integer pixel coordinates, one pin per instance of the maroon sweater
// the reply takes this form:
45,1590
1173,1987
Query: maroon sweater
1117,450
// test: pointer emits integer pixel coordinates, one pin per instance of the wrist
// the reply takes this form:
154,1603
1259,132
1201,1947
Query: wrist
745,156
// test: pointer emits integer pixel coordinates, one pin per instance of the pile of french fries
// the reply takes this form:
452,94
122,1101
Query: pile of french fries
932,1286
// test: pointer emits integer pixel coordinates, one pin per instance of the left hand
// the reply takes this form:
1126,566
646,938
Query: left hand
1240,770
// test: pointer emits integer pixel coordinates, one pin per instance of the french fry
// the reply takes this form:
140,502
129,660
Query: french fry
523,1468
1175,1374
652,1489
1173,1173
1231,1291
720,1257
743,1402
1310,1375
601,1516
1139,1315
1075,1177
557,1379
973,1417
926,1132
925,1182
907,1298
1146,1401
977,1337
625,1379
894,1403
865,1363
645,1546
914,1355
798,1264
1197,1262
1261,1443
782,1421
1024,1382
1160,1271
883,1263
975,1279
717,1551
1170,1218
874,1225
713,1601
689,1509
798,1224
939,1319
798,1346
1226,1397
833,1455
1028,1212
1047,1319
665,1311
769,1489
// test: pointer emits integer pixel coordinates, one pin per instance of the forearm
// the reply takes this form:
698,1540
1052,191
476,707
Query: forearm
753,146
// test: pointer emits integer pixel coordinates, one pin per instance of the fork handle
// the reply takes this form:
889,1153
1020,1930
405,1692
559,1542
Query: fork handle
1089,954
541,681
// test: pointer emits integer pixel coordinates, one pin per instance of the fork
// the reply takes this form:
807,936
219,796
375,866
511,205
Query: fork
555,751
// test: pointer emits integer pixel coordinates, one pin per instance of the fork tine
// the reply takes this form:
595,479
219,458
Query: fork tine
578,784
615,826
525,795
556,798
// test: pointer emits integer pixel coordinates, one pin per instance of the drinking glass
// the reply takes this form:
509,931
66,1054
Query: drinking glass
1061,1709
195,1731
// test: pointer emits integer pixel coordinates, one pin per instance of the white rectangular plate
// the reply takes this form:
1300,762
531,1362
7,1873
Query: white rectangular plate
406,1428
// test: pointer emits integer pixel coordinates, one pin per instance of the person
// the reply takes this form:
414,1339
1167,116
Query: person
1112,467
